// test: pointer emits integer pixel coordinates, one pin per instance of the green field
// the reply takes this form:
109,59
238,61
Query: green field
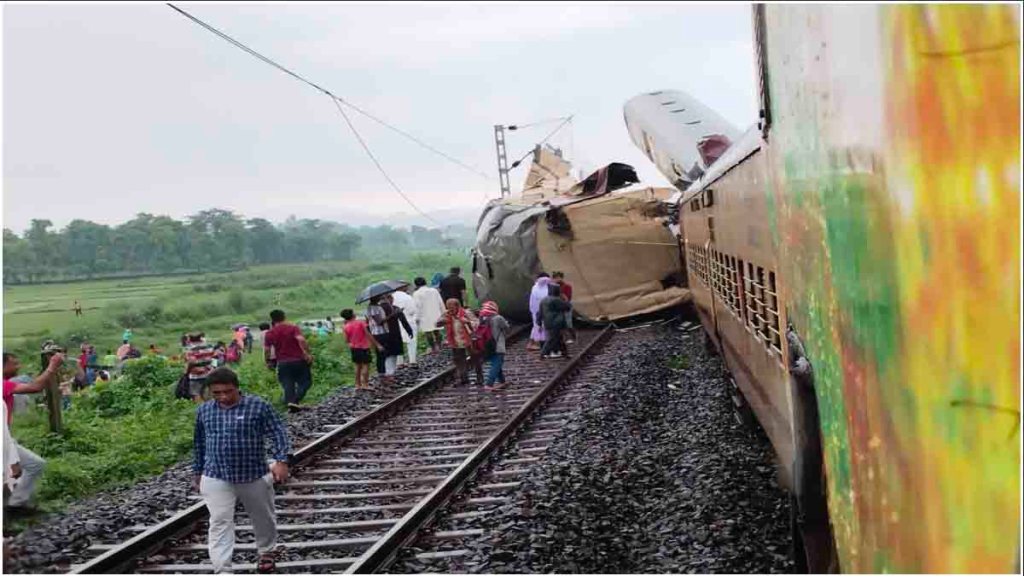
160,309
132,428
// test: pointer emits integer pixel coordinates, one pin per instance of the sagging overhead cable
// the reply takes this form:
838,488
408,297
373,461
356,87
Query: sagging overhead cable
565,121
316,86
513,127
378,165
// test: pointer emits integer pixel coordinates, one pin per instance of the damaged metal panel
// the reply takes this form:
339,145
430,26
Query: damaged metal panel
505,260
614,248
617,253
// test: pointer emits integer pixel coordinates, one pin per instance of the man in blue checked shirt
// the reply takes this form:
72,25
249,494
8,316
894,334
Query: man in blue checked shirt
230,464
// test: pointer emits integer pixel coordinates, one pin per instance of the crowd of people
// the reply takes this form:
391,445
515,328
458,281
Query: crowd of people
232,466
474,339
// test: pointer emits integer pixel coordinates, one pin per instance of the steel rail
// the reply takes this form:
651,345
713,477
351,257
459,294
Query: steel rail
119,559
383,552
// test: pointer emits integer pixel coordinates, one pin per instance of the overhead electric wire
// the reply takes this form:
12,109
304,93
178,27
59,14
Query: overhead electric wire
316,86
567,120
537,123
377,163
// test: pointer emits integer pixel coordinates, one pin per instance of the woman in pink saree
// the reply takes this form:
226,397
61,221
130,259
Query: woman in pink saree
538,293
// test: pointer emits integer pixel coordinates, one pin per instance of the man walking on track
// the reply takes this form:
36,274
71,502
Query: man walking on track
459,325
407,305
291,358
494,350
453,286
566,288
429,310
230,464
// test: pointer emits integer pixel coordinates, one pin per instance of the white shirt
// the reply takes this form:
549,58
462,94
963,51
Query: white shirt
408,305
429,308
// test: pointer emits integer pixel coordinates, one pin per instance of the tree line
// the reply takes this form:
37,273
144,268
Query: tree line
211,240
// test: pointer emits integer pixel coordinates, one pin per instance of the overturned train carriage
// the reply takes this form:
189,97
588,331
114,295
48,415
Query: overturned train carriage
612,244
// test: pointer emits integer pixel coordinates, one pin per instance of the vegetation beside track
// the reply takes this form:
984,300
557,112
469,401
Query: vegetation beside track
132,428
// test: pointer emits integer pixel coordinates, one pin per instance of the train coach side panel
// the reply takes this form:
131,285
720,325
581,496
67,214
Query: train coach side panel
739,268
895,155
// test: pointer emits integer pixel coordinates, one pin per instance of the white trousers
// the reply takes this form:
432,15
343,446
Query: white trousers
32,466
390,365
410,345
258,500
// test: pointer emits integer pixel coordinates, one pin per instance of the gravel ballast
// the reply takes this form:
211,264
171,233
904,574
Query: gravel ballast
652,475
57,542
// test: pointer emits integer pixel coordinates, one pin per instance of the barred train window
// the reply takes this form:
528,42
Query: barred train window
751,291
772,315
740,287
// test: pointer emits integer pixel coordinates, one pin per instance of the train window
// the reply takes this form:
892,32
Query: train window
733,285
704,266
678,110
695,205
752,294
709,198
723,277
669,103
774,339
741,277
711,228
761,53
714,274
762,313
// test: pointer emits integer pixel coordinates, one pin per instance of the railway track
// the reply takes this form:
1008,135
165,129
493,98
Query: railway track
369,488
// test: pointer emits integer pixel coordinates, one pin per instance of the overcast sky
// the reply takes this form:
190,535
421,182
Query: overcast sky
110,110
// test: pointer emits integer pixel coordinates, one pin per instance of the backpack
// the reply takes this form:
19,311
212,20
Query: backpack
482,341
233,354
182,391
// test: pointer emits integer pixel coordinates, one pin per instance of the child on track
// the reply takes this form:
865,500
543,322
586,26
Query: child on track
359,341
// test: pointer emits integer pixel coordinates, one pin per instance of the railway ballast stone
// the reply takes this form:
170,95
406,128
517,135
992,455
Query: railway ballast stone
60,540
652,475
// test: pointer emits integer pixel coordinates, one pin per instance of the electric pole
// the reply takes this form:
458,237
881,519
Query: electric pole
499,144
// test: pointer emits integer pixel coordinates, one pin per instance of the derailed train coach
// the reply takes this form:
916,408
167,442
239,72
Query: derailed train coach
855,259
610,241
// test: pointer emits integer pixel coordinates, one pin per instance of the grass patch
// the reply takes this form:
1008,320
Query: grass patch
678,362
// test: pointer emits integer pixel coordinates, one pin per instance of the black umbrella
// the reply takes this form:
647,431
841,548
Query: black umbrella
380,289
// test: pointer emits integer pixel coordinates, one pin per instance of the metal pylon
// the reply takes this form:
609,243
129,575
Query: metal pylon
499,144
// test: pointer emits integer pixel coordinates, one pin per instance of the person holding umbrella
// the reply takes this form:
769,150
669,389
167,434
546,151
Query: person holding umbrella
377,322
396,321
377,319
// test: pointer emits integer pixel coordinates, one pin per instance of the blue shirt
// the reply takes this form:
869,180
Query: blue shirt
228,442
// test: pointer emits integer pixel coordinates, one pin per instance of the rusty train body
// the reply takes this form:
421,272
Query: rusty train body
855,258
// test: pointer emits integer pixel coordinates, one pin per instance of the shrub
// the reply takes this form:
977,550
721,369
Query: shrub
236,301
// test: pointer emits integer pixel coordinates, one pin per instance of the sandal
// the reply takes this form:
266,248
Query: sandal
267,564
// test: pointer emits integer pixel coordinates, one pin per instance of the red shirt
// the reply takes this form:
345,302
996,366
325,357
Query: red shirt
355,332
285,340
9,397
566,290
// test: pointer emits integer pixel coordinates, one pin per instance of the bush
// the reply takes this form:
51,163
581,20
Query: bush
151,372
236,301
